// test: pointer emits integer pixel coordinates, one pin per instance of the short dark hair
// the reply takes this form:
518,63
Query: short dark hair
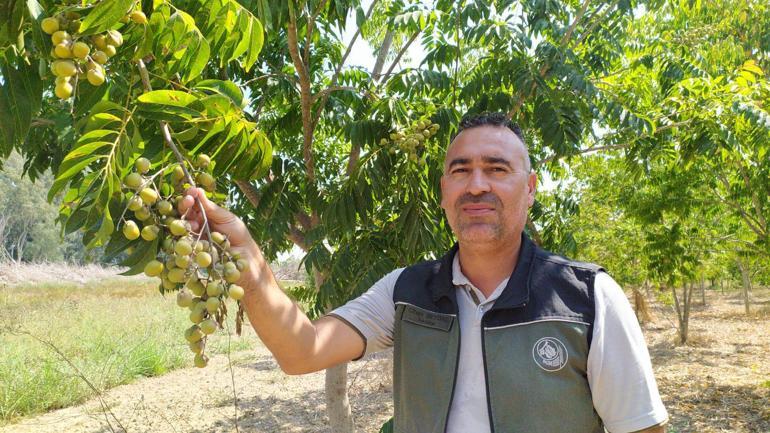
489,118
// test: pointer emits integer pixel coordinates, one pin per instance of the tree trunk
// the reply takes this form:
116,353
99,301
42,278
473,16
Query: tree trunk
702,291
746,279
683,310
641,307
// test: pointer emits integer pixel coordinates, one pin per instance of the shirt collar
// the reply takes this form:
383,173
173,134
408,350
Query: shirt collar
460,280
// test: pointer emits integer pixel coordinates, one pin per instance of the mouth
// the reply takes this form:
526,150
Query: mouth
478,210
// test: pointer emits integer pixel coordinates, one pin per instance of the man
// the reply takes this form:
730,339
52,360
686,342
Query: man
497,336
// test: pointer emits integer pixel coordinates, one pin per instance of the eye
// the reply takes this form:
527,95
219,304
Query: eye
459,170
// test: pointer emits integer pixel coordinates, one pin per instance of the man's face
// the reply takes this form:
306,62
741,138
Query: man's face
487,187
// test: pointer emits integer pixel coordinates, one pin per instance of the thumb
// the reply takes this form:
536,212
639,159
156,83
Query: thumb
214,213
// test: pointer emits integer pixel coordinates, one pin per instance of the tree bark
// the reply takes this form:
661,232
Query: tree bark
641,307
702,291
746,279
682,309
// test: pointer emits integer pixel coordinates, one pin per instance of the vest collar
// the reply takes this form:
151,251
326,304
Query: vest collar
516,292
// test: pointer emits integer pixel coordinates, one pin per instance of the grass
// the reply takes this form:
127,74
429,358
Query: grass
112,332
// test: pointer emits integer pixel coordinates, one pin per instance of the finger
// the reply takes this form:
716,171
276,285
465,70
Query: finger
186,203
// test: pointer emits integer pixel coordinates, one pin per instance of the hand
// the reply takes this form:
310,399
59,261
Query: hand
220,220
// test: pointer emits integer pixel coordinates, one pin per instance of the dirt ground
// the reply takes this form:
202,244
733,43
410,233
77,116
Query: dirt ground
720,382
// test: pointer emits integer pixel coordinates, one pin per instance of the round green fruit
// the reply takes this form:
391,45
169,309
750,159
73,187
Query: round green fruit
196,286
183,247
150,233
212,305
177,275
114,38
232,275
208,326
236,292
63,50
202,160
110,50
143,214
60,36
193,334
153,268
201,360
217,237
133,180
138,17
165,207
182,261
178,228
184,298
149,196
203,259
214,289
135,203
196,315
197,347
130,230
99,57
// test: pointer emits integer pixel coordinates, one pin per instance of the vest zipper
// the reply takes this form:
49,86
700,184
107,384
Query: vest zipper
454,379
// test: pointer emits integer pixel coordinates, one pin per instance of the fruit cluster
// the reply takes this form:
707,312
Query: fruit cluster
202,271
76,56
412,138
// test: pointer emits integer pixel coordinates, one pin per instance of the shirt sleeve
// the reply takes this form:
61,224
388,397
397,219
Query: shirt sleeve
373,313
620,375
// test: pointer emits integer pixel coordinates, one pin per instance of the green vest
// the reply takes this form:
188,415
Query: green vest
535,342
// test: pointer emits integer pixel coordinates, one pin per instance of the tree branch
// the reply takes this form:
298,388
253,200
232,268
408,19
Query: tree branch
401,53
250,192
305,96
382,54
760,217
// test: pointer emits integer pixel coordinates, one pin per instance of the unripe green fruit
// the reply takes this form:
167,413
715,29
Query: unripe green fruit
197,347
214,289
168,245
149,196
202,160
217,237
241,264
196,287
135,203
196,315
203,259
100,57
153,268
95,77
75,26
142,165
60,36
182,261
184,298
232,275
193,334
138,17
177,275
100,41
130,230
212,305
206,181
208,326
171,263
143,214
201,360
80,50
50,25
167,284
178,228
133,180
205,246
109,50
183,247
114,38
63,90
165,207
177,174
150,233
229,266
236,292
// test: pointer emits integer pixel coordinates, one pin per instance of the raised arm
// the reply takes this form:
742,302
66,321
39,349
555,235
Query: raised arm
298,344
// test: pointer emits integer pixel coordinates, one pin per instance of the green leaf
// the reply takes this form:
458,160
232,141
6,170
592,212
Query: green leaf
172,105
20,100
226,88
105,15
144,252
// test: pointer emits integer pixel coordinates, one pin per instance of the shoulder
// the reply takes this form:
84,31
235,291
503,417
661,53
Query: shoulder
553,270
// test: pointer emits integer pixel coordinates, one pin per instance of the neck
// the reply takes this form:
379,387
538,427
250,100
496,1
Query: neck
486,266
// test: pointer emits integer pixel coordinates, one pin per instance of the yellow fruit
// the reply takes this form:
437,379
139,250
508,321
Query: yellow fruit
196,287
178,173
100,41
197,314
50,25
142,165
74,26
153,268
201,360
80,50
197,347
63,51
60,80
182,261
178,228
232,275
203,259
206,181
241,264
168,245
149,195
60,36
135,203
208,326
183,248
217,237
193,334
184,298
138,17
202,160
214,289
95,77
63,90
143,214
236,292
133,180
114,38
177,275
212,305
99,57
165,207
65,68
168,285
150,233
130,230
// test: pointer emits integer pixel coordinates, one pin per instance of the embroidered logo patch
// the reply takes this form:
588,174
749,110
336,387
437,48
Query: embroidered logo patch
550,354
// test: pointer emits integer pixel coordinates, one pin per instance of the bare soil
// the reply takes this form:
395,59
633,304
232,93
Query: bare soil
719,382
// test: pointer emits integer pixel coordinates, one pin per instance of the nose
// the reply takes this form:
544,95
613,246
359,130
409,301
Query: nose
478,183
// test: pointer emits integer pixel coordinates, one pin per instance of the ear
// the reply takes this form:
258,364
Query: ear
531,188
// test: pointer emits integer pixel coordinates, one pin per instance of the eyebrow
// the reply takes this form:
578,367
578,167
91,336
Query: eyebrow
485,159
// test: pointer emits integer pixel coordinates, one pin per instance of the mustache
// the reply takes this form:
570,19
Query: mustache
487,198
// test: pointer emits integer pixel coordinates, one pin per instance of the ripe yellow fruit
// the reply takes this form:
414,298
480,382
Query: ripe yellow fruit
177,275
203,259
184,298
232,275
138,17
143,214
142,165
60,80
241,264
65,68
195,286
60,36
178,173
81,50
168,245
100,41
63,51
100,57
214,289
50,25
217,237
95,77
149,195
197,314
133,180
150,233
110,50
114,38
212,305
63,90
178,228
165,207
135,203
130,230
202,160
201,360
183,247
153,268
193,334
236,292
182,261
208,326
